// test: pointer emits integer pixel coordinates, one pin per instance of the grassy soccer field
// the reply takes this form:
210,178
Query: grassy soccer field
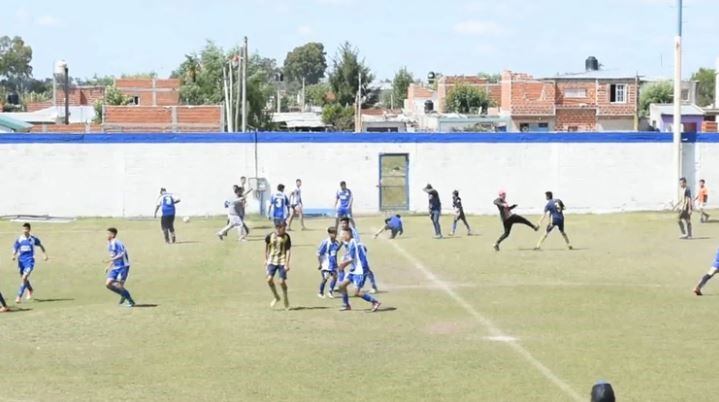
461,321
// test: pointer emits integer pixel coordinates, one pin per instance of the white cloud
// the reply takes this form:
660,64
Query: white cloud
47,21
305,30
477,27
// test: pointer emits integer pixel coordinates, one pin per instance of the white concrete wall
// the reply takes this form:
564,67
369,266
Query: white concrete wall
124,179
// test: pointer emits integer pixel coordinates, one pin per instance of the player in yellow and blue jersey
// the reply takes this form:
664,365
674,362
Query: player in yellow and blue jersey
23,250
277,258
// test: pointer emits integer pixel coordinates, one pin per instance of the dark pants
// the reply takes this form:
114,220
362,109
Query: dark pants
509,222
685,216
434,215
168,227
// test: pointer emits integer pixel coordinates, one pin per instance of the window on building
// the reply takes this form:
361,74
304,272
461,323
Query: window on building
685,95
618,93
575,93
524,127
135,100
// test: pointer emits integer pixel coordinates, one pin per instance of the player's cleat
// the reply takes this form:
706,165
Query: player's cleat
496,247
570,247
29,295
451,234
274,301
536,228
470,233
331,295
375,306
320,295
346,307
4,310
122,300
129,304
18,300
287,304
685,237
537,248
698,292
373,290
220,236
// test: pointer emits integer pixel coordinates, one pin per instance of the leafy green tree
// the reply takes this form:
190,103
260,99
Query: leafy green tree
400,84
15,58
96,80
341,118
113,97
344,77
705,86
318,94
655,92
463,98
308,61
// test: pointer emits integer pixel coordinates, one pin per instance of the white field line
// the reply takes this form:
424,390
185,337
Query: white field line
493,330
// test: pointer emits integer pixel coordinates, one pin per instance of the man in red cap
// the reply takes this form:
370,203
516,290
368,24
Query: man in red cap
509,218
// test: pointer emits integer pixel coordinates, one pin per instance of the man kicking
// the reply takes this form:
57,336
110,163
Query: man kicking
296,207
353,264
277,258
327,258
167,202
710,274
24,251
118,268
509,218
555,210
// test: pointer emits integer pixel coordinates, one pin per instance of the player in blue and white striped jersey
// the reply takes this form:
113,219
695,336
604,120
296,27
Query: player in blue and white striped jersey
327,258
24,251
118,268
355,264
343,203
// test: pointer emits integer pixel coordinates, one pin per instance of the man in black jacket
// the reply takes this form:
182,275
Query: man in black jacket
435,210
509,218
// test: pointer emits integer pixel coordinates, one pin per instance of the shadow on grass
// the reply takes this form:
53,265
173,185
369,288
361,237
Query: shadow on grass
145,305
51,300
187,242
383,310
300,308
17,310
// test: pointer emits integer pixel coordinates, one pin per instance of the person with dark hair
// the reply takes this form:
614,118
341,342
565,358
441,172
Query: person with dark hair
702,199
602,392
347,224
167,202
235,214
709,275
279,208
354,263
394,225
296,207
555,210
459,214
277,260
508,218
435,209
118,268
24,251
343,204
685,208
327,258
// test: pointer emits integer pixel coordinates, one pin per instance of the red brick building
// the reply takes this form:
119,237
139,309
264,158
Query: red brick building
176,118
150,91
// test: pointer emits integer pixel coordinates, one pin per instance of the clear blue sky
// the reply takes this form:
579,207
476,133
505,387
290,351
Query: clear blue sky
541,37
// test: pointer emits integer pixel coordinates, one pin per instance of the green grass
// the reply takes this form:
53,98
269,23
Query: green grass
619,308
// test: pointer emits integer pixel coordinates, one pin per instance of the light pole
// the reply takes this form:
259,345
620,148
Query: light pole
677,125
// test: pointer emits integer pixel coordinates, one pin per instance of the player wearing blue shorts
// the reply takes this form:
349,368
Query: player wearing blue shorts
327,258
277,258
710,274
279,208
354,263
118,268
555,211
343,204
346,225
24,251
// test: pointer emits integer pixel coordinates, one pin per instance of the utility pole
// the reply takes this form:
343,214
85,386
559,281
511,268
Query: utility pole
238,69
244,86
228,118
231,88
358,106
303,94
67,95
677,125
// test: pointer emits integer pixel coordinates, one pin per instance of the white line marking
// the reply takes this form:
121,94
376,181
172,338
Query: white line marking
493,330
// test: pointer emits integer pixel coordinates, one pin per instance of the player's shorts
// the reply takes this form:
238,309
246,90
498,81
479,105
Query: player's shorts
119,274
276,269
168,222
344,213
295,206
26,266
357,280
556,223
684,215
328,273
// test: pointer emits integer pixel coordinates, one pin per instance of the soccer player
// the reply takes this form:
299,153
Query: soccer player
296,207
327,258
24,251
459,213
3,305
394,225
279,208
343,204
346,224
167,202
354,263
555,210
702,199
712,271
685,208
435,209
235,213
277,258
118,268
509,218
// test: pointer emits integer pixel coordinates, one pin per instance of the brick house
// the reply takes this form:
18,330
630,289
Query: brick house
176,118
530,103
78,95
150,91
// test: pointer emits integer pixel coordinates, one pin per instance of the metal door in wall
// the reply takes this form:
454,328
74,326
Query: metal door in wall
394,182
